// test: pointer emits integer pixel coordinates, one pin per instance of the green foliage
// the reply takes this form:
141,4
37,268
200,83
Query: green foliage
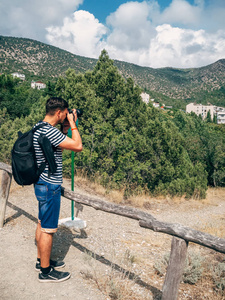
218,274
193,268
9,128
128,145
208,117
205,144
16,97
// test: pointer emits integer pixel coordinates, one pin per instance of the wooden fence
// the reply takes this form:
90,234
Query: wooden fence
4,191
181,235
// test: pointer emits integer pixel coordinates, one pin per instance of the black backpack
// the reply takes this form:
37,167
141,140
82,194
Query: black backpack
24,165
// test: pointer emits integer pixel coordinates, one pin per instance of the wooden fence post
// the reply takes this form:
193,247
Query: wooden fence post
4,193
175,269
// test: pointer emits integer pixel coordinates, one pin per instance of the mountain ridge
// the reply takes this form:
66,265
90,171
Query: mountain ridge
38,60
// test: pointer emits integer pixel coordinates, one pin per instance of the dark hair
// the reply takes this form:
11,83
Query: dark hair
55,103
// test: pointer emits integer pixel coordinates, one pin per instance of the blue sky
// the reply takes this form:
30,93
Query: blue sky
153,33
101,9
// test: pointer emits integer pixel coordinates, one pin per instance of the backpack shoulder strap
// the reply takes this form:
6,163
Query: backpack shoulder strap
38,127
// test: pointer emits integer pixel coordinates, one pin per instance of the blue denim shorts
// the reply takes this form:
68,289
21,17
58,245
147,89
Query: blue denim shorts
49,198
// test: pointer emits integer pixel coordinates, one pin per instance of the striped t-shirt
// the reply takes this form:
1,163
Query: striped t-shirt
56,137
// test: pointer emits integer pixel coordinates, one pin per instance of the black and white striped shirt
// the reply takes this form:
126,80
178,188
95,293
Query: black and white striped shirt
56,137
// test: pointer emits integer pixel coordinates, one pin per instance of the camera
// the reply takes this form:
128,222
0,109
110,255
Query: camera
79,112
66,122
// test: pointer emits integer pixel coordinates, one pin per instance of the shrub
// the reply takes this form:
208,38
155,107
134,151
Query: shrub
192,270
218,275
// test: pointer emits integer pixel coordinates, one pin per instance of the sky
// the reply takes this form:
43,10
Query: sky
151,33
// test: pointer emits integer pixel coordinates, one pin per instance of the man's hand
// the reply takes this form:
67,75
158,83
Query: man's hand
72,118
74,143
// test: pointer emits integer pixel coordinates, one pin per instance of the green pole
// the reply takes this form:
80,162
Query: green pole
72,173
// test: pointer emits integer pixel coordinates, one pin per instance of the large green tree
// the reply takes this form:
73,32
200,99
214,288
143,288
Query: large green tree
127,144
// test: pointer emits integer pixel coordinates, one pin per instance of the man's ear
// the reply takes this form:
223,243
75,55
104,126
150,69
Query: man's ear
58,113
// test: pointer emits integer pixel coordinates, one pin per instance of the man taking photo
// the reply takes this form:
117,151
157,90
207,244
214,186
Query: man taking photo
48,188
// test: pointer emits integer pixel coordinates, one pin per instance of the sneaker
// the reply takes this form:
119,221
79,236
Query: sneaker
55,264
53,276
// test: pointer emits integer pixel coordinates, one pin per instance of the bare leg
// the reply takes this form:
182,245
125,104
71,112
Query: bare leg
44,246
37,237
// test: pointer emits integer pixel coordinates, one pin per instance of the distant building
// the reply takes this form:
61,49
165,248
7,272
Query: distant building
221,116
145,97
156,104
38,85
201,110
18,75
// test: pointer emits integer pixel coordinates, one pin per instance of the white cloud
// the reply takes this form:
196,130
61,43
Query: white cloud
181,35
30,18
131,27
185,48
81,34
182,12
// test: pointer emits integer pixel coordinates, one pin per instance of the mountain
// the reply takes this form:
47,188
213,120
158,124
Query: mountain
41,61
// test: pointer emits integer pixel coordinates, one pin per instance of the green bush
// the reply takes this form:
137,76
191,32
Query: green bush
192,270
218,275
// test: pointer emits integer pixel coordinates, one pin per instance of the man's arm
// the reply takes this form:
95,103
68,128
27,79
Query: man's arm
74,143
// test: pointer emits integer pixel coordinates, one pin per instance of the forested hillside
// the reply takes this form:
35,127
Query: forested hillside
128,145
171,86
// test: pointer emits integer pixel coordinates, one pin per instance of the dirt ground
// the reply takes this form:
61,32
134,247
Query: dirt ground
113,258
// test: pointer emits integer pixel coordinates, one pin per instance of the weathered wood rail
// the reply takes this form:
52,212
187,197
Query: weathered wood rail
4,191
181,235
148,221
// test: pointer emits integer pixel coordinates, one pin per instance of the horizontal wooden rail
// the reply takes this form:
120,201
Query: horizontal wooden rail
98,204
148,221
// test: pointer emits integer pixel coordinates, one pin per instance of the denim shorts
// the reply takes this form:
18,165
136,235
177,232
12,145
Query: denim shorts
49,198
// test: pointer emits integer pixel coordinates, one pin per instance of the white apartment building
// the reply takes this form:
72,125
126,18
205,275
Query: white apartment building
221,116
38,85
18,75
145,97
200,109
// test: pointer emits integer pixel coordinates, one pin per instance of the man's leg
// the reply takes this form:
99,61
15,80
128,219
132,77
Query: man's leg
45,248
56,264
48,273
37,238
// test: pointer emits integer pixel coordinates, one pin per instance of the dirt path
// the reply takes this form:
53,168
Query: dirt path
109,245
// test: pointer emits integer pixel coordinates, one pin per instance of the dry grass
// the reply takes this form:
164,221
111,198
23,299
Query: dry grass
114,284
144,200
214,226
114,195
